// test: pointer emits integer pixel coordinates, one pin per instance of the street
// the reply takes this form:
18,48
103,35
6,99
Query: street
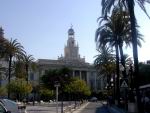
41,109
91,107
46,108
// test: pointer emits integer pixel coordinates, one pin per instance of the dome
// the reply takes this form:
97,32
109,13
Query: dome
71,31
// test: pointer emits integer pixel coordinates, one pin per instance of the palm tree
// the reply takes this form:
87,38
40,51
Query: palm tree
116,30
19,69
129,4
110,32
122,22
104,63
28,61
13,50
3,41
128,60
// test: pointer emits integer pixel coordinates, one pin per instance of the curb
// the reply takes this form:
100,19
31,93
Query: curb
78,109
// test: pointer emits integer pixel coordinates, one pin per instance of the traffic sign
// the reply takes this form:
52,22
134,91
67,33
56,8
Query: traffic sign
124,83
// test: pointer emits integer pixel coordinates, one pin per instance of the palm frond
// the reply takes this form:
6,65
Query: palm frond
141,4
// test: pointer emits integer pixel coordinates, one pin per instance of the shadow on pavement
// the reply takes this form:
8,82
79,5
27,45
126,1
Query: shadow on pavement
102,109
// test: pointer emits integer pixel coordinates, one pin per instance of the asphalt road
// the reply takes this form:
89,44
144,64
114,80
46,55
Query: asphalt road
46,108
93,107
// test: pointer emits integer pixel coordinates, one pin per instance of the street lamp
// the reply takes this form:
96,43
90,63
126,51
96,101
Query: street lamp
57,85
66,76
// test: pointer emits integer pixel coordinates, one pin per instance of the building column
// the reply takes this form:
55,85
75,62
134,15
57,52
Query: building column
95,79
87,78
80,75
73,73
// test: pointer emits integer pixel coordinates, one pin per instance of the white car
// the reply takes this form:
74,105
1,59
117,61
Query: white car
3,109
13,106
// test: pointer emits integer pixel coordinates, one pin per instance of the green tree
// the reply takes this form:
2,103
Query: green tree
28,62
128,60
13,50
2,43
19,69
77,86
46,94
129,4
105,63
19,88
3,91
116,30
61,76
144,74
110,33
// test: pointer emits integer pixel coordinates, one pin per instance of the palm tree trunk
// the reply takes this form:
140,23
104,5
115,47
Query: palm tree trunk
9,74
118,76
122,60
124,74
135,49
27,73
27,80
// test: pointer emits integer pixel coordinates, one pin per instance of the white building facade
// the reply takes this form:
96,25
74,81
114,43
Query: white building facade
71,59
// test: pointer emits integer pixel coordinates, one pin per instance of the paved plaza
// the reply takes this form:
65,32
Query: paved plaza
88,107
48,107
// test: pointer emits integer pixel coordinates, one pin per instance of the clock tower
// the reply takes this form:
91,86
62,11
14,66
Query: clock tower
71,50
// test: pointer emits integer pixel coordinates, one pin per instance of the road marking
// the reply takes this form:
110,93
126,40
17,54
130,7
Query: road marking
81,108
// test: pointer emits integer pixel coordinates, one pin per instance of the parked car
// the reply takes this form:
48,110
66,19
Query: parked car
13,106
3,109
93,99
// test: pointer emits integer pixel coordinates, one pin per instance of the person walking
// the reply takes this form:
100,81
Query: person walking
146,103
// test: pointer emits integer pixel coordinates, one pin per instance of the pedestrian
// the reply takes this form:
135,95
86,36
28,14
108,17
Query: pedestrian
109,100
146,103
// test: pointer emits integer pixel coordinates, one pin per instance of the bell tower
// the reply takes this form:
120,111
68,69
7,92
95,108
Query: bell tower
71,50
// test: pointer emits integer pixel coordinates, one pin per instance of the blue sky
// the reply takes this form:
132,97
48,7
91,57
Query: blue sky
41,26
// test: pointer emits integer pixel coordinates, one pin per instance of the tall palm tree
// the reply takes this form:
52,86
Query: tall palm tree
111,32
124,32
116,30
28,62
3,41
129,4
13,50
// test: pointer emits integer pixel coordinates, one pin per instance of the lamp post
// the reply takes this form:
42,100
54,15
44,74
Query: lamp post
62,105
57,85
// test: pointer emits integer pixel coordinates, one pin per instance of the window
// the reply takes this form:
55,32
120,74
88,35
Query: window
31,76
